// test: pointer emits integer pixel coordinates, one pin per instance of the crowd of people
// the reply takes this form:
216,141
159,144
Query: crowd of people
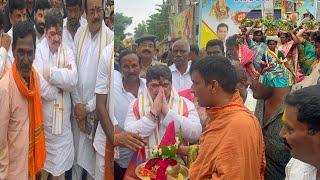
74,107
271,69
50,51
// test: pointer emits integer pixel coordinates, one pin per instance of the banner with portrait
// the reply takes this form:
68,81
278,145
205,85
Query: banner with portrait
182,25
228,14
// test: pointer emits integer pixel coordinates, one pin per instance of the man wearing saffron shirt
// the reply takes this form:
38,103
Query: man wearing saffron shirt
22,142
231,147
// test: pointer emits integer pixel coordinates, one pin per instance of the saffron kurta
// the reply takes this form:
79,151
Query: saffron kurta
57,112
231,147
14,131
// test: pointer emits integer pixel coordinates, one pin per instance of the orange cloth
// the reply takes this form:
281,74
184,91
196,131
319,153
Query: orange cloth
109,160
231,147
37,149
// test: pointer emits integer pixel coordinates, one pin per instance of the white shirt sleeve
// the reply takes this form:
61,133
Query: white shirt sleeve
37,63
298,170
48,92
103,74
75,93
144,126
110,35
193,120
64,78
3,59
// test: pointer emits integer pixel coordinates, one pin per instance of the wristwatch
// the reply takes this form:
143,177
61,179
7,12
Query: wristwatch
154,117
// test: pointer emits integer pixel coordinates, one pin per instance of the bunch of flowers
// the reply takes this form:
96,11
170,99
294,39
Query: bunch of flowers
165,155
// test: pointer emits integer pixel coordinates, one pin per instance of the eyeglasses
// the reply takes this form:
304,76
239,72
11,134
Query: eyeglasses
54,33
93,11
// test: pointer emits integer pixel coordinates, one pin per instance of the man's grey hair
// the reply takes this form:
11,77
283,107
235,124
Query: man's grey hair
182,41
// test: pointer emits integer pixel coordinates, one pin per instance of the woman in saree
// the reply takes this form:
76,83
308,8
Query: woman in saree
275,67
289,49
307,52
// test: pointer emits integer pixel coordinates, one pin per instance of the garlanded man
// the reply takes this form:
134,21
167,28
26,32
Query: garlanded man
150,114
56,63
90,40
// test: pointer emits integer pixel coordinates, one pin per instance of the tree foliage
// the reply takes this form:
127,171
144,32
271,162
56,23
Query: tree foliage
140,29
158,23
121,22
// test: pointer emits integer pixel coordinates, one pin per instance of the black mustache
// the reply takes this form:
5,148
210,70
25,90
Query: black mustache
96,20
286,143
146,50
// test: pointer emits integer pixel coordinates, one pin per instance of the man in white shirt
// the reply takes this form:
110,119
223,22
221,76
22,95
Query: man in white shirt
126,87
301,133
40,10
73,21
150,114
90,40
181,79
56,63
17,12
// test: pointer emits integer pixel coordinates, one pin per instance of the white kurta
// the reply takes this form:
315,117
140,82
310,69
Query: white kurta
298,170
10,54
67,37
59,138
122,100
3,58
88,51
38,38
190,125
180,82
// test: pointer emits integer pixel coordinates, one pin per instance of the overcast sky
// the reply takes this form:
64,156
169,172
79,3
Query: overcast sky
139,10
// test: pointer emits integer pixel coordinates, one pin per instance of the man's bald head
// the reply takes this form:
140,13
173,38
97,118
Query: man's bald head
180,53
182,42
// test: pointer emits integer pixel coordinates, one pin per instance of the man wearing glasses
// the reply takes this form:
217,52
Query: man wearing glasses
154,109
56,63
90,40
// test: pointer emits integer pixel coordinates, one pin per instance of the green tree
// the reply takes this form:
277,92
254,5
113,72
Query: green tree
140,29
158,23
121,22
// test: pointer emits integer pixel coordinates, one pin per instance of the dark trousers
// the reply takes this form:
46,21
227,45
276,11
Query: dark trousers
119,172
